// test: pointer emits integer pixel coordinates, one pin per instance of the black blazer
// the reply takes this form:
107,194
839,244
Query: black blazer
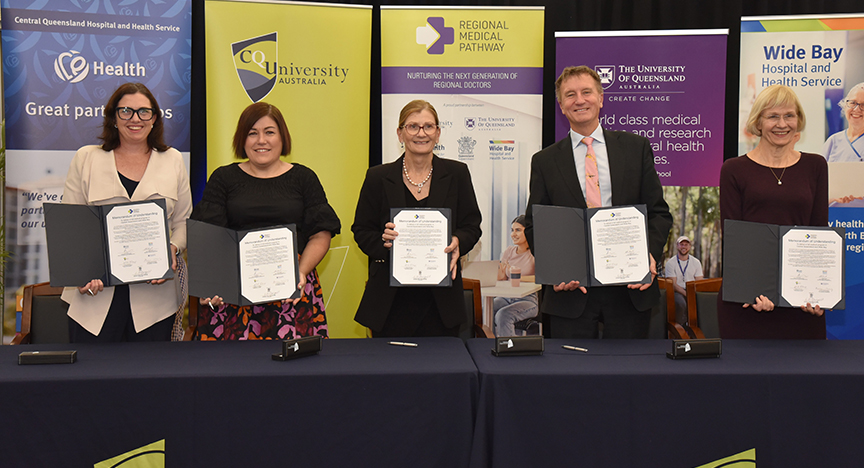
634,181
383,189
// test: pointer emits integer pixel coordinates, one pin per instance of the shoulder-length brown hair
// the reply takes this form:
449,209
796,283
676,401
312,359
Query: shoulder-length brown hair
249,117
111,136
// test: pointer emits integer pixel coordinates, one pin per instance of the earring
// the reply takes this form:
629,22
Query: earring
115,125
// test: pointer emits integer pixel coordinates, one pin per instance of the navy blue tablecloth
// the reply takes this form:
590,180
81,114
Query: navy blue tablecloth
359,403
624,404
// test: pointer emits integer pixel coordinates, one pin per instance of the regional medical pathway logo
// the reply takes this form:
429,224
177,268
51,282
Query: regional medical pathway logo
434,35
257,74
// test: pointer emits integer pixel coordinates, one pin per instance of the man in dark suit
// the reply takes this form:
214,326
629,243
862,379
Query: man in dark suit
622,165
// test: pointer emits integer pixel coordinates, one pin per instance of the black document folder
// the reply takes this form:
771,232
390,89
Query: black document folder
563,247
214,263
752,262
79,250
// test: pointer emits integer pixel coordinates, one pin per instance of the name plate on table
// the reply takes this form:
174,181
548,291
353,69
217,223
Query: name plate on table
695,349
119,244
595,246
417,257
790,265
518,346
243,267
300,347
47,357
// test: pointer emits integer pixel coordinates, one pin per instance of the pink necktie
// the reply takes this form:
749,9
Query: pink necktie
592,177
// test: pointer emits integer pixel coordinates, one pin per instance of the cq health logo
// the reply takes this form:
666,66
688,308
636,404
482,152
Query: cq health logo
434,35
77,70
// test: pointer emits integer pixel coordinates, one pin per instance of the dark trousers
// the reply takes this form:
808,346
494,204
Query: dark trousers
119,326
610,306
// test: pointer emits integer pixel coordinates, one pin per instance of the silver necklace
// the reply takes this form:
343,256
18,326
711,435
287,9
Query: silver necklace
421,184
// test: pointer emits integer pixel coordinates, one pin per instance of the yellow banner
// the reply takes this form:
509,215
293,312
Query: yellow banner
312,61
461,37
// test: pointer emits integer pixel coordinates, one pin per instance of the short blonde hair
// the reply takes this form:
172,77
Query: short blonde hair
417,105
773,96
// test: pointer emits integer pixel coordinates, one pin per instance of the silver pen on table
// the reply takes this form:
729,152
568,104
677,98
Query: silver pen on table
402,343
574,348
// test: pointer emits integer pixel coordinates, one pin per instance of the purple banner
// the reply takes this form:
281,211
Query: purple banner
461,80
670,89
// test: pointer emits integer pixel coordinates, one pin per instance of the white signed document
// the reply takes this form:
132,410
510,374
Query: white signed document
619,245
267,260
417,254
137,242
812,267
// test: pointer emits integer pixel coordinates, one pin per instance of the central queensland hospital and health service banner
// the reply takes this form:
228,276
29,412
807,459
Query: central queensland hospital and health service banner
667,86
482,70
821,58
312,61
61,63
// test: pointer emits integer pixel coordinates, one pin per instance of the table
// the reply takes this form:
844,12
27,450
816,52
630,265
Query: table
360,402
624,404
503,289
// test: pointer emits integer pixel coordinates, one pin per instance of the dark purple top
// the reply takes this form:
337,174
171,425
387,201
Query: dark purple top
749,192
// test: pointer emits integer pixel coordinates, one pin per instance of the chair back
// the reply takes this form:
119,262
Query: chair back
43,316
473,326
192,326
702,307
663,323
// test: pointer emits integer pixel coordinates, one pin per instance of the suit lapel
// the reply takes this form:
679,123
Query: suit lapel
393,190
441,179
566,164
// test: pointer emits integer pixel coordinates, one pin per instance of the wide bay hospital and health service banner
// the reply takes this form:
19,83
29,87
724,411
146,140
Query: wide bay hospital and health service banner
821,58
312,61
667,86
59,69
482,70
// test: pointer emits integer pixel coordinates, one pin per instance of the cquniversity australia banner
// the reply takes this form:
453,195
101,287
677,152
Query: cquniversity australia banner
667,86
312,61
61,63
822,59
482,70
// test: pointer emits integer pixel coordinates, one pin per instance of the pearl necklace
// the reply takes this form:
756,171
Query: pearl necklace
421,184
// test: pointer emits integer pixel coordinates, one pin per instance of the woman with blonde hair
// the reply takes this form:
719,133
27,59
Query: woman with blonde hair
774,183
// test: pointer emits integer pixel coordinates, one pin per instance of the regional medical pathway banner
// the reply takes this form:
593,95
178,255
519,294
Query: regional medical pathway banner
667,86
61,63
482,70
312,61
822,59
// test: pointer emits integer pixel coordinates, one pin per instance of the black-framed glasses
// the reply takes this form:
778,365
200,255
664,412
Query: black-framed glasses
126,113
414,129
852,105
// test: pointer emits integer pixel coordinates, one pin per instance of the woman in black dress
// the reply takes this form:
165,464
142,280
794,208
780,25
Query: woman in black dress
774,184
417,179
265,191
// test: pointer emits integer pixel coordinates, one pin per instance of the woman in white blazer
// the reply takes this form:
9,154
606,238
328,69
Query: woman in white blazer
132,164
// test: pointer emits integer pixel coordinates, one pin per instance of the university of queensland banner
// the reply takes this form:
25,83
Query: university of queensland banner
822,59
667,86
289,55
61,63
482,69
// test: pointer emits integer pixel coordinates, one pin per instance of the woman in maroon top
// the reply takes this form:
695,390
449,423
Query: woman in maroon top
774,184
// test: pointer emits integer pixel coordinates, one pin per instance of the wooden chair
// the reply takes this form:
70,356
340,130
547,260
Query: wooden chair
192,327
43,316
663,324
474,327
702,307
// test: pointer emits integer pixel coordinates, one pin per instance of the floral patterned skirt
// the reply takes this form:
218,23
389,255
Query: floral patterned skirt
270,321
